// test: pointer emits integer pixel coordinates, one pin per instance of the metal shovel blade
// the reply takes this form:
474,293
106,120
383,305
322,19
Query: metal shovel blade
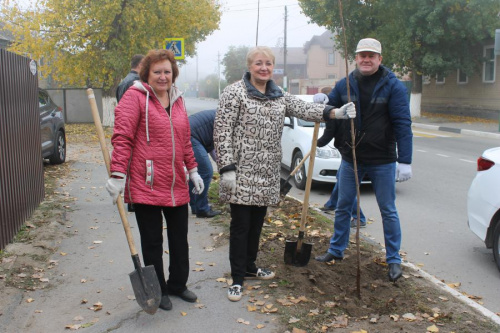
285,186
146,288
297,257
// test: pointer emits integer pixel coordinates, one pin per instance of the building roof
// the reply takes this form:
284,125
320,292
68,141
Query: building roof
324,40
5,34
294,56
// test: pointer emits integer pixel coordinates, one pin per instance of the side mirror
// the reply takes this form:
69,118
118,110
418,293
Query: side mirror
288,122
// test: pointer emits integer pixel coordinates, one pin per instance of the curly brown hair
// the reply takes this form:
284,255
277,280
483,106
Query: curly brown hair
155,56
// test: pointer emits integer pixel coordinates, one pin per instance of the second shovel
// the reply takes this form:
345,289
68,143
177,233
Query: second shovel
297,252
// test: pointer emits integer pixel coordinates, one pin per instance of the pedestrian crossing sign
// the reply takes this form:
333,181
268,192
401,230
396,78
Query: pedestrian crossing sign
176,45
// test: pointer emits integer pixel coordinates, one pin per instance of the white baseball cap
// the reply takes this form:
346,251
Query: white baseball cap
369,45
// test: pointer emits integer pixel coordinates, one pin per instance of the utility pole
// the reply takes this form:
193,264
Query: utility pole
218,70
257,33
285,78
197,83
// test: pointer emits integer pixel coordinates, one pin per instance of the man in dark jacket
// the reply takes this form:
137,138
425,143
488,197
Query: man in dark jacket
202,140
383,148
331,204
128,81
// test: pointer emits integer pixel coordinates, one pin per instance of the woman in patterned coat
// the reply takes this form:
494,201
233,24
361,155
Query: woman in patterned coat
247,137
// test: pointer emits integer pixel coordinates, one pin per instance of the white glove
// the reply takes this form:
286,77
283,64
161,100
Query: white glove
228,181
346,111
115,187
320,98
199,186
403,172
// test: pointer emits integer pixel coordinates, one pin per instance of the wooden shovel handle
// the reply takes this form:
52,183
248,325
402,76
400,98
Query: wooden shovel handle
107,161
305,206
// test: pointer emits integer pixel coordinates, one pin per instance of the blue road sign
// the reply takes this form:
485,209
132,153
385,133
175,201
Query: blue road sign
176,45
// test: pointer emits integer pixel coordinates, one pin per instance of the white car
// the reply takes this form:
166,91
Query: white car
296,142
483,201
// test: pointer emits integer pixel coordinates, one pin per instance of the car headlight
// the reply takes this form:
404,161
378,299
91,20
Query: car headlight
327,153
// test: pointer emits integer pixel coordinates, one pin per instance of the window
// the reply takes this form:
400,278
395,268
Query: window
440,79
426,79
461,77
332,76
489,64
331,58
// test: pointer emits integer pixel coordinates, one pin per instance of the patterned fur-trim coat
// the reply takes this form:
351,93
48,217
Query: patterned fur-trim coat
247,137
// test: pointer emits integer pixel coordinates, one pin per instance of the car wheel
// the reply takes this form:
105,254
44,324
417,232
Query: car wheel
300,176
59,155
496,244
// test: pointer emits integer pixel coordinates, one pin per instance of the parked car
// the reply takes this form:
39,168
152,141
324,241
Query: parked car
483,201
52,129
296,142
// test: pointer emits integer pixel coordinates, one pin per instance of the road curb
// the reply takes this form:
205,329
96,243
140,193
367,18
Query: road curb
458,130
443,286
478,307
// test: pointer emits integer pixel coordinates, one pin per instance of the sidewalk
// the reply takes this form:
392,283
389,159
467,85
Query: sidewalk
92,270
486,128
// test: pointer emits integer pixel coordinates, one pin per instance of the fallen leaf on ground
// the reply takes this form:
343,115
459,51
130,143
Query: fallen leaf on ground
183,313
251,308
409,317
78,318
221,280
454,284
30,300
433,329
199,263
260,326
298,330
242,321
293,320
97,242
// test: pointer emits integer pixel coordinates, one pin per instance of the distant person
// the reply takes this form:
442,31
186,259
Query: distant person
331,204
247,135
384,144
133,75
151,152
202,140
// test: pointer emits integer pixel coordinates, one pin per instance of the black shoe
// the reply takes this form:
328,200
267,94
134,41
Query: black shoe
210,213
186,295
326,257
165,303
327,209
354,224
395,272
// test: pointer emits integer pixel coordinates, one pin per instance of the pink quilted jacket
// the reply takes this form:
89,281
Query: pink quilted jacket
152,148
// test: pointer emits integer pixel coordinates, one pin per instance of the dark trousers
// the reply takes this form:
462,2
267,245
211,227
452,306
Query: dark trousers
150,222
245,228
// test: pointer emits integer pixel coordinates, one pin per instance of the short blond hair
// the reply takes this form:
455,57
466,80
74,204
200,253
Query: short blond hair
259,50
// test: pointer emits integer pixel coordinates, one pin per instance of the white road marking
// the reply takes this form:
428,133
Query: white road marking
468,161
442,155
430,134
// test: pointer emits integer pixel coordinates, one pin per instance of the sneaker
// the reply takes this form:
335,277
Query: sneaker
354,224
262,274
234,293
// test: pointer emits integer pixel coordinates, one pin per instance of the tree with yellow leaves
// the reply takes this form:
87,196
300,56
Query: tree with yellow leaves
90,42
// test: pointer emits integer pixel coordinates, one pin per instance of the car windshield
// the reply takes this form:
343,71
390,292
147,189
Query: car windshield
305,123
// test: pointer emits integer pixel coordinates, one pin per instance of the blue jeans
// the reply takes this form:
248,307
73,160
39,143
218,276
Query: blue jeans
199,202
332,202
384,186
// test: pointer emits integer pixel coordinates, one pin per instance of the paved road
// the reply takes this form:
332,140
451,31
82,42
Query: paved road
432,207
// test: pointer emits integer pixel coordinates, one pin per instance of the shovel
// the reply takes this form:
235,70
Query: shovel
285,185
298,252
145,282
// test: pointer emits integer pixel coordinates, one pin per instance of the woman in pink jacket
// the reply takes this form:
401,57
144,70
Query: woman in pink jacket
151,153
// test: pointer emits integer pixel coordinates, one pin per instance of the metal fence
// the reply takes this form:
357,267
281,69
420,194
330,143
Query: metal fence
21,165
